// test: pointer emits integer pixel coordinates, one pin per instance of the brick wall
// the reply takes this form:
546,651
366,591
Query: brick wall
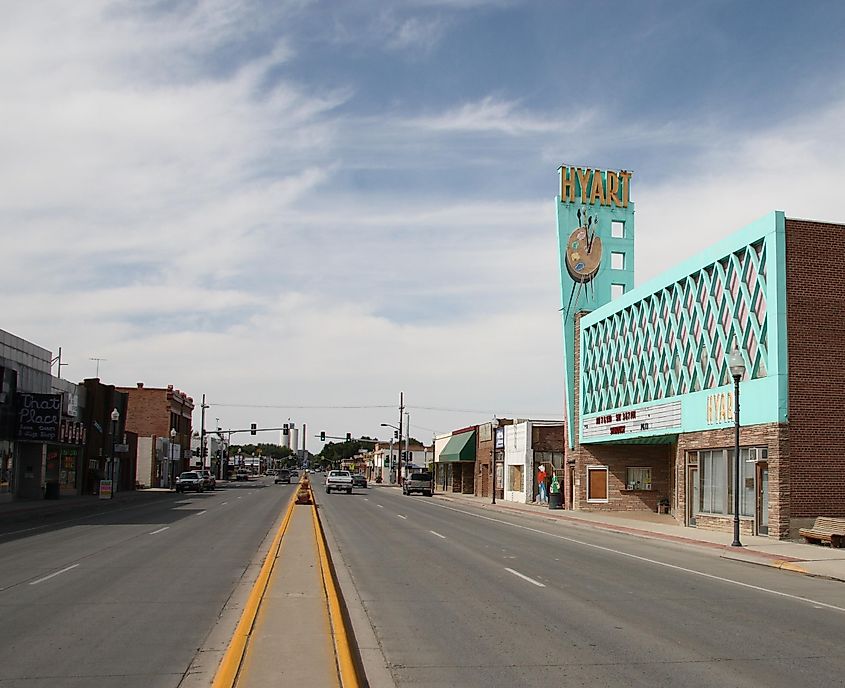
149,412
483,470
815,323
774,438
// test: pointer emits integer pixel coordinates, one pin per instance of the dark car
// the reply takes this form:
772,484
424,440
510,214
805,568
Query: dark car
359,480
189,480
282,476
242,474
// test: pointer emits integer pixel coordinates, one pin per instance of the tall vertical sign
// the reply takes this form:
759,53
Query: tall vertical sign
595,230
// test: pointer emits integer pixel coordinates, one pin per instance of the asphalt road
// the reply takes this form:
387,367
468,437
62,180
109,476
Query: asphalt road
126,596
460,595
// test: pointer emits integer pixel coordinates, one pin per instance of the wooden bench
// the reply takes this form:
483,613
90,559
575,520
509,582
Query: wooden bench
826,529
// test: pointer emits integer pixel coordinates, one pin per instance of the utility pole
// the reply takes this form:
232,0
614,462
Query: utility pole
203,406
401,413
59,360
304,455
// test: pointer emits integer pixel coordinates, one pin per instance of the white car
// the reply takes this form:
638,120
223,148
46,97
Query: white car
339,480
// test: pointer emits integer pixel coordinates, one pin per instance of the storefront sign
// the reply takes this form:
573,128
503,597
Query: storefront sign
105,489
657,417
605,188
71,432
720,407
500,438
38,416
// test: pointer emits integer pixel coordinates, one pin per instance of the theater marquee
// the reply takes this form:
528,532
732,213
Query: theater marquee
621,424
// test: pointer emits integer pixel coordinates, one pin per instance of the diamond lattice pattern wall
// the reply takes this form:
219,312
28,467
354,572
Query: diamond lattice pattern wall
677,340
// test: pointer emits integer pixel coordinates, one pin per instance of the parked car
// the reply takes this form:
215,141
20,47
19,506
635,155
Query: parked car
294,473
418,482
359,480
339,480
282,476
242,474
208,481
189,480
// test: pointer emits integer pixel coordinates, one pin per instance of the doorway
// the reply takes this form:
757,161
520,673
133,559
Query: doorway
762,498
693,495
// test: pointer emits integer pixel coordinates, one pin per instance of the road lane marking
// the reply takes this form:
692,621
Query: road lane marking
379,506
200,513
222,503
524,577
160,530
401,516
646,560
437,534
52,575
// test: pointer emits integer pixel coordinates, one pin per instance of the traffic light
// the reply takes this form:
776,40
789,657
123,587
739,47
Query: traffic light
348,436
252,428
396,434
322,435
285,430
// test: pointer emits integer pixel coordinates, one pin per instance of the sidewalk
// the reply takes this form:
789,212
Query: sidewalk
813,560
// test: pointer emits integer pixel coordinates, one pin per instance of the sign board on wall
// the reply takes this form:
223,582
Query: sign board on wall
38,416
665,417
595,228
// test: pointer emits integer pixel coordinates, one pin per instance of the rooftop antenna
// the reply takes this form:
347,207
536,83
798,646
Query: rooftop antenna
94,358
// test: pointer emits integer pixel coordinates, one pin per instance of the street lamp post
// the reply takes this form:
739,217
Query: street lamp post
493,425
737,367
399,444
170,463
115,417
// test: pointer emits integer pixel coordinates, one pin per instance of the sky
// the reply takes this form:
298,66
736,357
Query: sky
303,208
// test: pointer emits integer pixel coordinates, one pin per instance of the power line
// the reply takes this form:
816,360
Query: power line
293,406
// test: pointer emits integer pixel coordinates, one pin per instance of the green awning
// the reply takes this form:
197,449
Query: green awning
459,448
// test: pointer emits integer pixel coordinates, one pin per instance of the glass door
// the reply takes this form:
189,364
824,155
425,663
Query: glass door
762,498
693,495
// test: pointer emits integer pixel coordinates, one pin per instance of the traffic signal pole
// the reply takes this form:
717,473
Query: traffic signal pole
401,414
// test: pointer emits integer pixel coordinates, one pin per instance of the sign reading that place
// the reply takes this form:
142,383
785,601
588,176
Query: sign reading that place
621,423
38,416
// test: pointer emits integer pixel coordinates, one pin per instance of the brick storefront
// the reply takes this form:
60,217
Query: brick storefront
803,453
153,412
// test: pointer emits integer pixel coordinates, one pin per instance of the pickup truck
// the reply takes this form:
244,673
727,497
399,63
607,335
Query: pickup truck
418,482
339,480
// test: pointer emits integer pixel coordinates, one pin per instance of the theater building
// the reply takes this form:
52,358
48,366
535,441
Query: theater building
649,399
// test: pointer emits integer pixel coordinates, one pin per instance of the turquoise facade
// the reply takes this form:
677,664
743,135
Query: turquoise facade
601,217
666,344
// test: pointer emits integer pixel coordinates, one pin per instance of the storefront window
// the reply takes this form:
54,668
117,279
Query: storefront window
716,480
5,466
516,483
638,478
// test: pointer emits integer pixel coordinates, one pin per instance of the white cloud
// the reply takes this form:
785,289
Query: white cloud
189,224
502,116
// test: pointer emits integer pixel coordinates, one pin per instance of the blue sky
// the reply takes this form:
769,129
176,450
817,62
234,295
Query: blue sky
296,203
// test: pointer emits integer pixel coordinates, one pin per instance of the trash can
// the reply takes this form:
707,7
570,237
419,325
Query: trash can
556,500
51,489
